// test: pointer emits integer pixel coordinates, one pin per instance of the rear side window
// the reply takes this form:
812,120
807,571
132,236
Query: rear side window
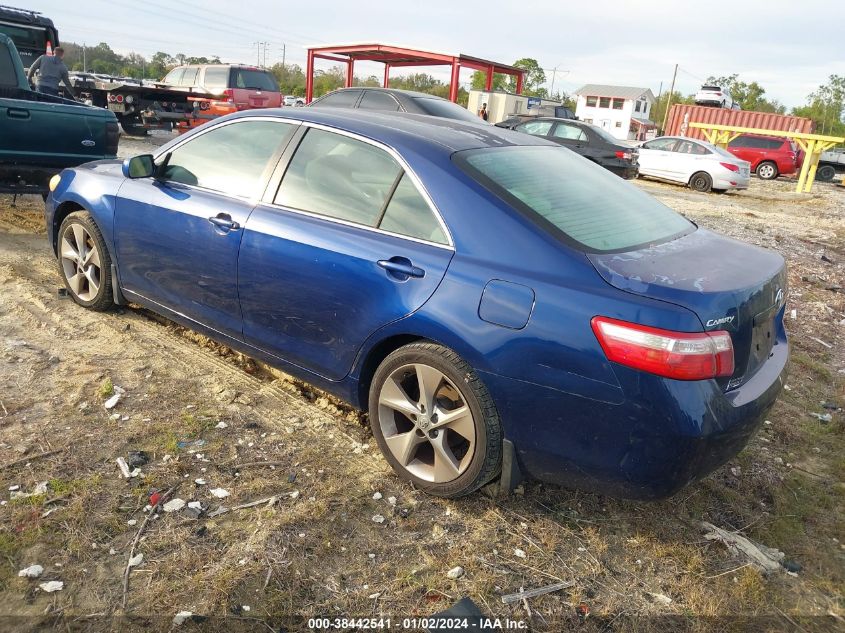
339,177
580,202
190,77
249,79
739,141
8,76
688,147
216,78
569,132
375,100
340,99
409,214
247,147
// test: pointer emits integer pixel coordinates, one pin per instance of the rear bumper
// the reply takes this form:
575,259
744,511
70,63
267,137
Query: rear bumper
623,170
732,181
664,434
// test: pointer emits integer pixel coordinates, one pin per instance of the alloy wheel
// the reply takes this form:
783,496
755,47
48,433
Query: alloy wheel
80,260
766,171
426,423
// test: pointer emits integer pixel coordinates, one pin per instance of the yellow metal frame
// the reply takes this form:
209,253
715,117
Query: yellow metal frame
812,144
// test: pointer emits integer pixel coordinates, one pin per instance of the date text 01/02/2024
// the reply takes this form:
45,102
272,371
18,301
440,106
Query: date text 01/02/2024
416,624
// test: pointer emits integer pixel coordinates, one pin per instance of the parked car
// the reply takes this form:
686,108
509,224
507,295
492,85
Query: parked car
590,141
42,134
489,297
245,86
715,96
293,100
770,156
391,100
700,165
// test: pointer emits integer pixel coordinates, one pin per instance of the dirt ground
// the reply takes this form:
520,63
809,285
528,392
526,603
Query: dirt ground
340,535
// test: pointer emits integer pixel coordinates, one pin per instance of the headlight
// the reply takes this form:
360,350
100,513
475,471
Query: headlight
54,181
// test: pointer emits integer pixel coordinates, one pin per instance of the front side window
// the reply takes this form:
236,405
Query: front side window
376,100
340,99
578,201
8,76
230,158
661,144
174,76
339,177
537,128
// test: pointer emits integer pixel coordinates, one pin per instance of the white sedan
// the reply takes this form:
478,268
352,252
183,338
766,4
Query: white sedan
700,165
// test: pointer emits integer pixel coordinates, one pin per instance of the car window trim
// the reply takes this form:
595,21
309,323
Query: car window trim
282,166
266,175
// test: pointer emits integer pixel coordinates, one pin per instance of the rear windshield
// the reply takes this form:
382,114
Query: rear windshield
253,80
26,37
584,204
446,109
604,134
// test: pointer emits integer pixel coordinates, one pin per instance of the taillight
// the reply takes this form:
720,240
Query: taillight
730,166
229,94
678,355
623,154
119,98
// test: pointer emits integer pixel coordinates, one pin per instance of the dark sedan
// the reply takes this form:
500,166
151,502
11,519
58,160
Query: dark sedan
391,100
491,299
590,141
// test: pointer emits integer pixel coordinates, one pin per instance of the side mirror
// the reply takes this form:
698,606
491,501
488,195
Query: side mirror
139,166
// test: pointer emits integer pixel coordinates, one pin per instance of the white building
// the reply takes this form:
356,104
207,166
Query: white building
621,110
502,105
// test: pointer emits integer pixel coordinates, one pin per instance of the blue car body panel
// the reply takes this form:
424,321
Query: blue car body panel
307,294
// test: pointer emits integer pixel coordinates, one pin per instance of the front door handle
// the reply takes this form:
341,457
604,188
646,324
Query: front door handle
17,113
401,268
224,222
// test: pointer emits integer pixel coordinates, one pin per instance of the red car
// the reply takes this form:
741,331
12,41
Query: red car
770,156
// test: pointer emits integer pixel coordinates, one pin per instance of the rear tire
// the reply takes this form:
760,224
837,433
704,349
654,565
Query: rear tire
84,262
825,173
701,181
134,129
767,170
435,421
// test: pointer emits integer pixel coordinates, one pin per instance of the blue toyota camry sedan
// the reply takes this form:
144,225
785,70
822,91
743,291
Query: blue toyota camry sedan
495,302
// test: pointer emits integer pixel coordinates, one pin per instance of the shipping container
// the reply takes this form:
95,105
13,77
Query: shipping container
680,116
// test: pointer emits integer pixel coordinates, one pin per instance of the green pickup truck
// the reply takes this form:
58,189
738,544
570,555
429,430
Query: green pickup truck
40,134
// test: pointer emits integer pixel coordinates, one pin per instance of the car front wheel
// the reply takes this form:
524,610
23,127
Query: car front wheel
84,262
435,421
767,171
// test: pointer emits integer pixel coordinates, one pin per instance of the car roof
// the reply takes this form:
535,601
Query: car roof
404,131
394,91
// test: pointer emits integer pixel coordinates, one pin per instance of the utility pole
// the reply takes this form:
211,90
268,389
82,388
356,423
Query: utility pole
258,46
554,72
283,56
84,64
669,100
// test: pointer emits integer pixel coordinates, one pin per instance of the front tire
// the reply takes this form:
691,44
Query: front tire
701,181
767,170
825,173
84,262
435,421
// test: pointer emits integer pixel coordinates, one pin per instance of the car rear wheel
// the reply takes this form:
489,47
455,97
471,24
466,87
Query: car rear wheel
84,262
701,181
132,127
825,173
767,170
435,421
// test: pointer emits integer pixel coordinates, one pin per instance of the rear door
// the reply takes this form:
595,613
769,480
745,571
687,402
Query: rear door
178,236
347,245
689,158
571,136
655,157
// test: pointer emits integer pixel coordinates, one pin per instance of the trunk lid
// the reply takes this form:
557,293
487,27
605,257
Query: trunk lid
729,285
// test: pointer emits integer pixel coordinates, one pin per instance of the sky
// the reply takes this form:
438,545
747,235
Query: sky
789,47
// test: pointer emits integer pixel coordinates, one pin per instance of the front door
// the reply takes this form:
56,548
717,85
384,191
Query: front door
178,236
655,157
348,245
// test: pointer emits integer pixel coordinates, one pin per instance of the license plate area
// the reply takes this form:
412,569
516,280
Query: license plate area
117,107
762,338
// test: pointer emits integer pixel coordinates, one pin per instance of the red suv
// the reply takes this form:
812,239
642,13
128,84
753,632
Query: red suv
770,156
246,87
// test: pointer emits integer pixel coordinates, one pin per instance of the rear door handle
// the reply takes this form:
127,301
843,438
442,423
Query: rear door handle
401,268
224,222
17,113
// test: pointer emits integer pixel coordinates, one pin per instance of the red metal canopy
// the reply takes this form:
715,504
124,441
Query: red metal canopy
392,56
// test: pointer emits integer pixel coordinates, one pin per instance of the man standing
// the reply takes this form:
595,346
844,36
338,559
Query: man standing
483,112
52,71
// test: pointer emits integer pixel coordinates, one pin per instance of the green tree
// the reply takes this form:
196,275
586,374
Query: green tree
748,95
826,107
658,110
